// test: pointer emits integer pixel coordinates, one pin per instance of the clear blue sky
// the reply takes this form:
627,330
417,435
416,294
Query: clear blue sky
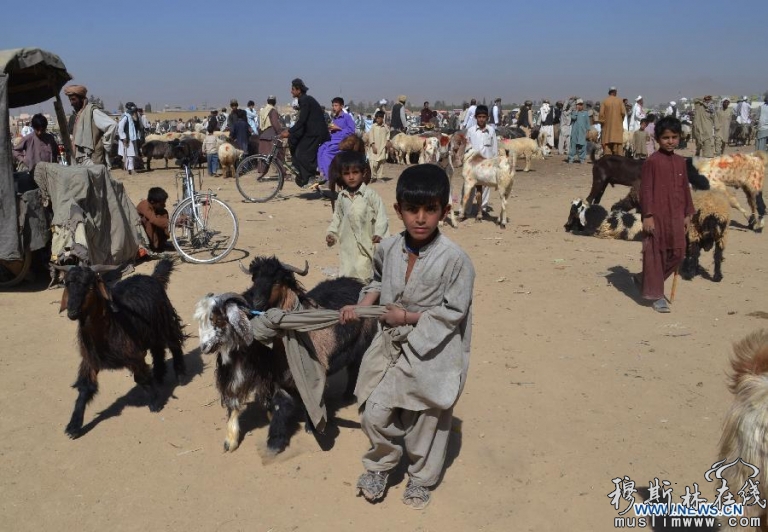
191,52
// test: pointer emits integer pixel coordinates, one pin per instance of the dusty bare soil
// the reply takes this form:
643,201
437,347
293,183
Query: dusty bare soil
572,383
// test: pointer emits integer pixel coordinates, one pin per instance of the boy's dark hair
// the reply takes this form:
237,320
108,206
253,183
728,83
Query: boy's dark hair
39,122
351,159
644,121
250,103
156,195
379,114
212,126
338,99
481,110
668,123
272,100
423,184
651,118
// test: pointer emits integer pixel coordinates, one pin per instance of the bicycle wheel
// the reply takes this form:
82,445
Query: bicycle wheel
257,181
13,272
203,229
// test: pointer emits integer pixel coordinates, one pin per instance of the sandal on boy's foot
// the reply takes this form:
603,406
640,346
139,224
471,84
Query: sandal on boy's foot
417,497
372,485
661,305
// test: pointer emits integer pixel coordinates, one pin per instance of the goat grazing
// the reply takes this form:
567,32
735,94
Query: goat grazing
244,367
708,228
116,326
595,220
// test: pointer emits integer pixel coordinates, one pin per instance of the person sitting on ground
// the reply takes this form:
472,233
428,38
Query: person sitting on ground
426,281
38,146
154,218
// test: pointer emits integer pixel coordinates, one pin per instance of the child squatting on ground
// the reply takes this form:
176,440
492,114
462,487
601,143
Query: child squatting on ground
359,218
416,367
154,218
666,207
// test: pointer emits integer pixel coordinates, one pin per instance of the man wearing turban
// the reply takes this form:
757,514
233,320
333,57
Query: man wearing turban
92,131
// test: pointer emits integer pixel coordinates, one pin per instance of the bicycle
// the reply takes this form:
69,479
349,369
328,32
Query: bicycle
204,229
260,177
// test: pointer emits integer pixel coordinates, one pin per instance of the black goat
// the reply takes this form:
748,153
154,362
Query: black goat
340,346
116,327
155,149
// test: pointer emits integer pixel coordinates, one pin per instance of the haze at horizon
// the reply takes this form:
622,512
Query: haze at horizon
182,53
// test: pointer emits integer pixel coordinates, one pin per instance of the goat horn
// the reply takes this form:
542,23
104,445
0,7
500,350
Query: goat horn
100,268
294,269
229,296
243,268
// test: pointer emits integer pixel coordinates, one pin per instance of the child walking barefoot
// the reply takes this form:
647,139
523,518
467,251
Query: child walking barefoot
359,219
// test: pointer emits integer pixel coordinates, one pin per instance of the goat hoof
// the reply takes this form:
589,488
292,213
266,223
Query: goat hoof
155,406
73,432
717,278
230,446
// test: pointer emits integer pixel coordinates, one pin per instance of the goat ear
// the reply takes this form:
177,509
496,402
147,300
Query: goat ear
64,300
583,216
239,320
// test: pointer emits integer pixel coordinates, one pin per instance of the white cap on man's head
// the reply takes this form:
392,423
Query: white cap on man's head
612,89
673,103
638,98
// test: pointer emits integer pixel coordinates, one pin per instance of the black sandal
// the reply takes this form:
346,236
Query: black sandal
417,497
372,485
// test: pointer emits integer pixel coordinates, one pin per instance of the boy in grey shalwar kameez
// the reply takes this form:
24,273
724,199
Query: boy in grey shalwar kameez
414,371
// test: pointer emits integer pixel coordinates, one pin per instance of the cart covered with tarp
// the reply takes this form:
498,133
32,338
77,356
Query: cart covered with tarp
28,76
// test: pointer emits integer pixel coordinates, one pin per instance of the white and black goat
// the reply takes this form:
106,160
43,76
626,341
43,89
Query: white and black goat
595,220
116,327
244,367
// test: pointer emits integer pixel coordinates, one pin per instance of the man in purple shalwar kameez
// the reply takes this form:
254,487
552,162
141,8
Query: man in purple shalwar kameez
342,126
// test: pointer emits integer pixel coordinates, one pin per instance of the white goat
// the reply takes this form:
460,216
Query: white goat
404,145
496,173
228,157
430,151
521,147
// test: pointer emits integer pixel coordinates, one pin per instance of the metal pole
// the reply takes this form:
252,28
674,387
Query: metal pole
63,130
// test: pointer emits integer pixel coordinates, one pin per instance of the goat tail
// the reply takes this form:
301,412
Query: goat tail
745,432
763,156
163,271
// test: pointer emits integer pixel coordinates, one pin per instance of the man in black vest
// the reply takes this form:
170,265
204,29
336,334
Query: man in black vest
306,135
398,122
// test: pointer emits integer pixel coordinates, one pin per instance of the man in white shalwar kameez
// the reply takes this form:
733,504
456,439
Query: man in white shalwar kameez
127,148
742,111
482,138
636,115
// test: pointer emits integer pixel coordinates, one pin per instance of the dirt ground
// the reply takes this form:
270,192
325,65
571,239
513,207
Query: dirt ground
572,383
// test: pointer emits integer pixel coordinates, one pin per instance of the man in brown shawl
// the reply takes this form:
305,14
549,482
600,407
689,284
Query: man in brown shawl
91,128
704,126
722,126
270,127
611,118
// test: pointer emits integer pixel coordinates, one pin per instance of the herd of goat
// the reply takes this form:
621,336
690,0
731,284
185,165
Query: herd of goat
118,323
